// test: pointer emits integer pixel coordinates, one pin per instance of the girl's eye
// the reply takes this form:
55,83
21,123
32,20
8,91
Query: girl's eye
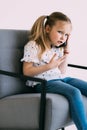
60,32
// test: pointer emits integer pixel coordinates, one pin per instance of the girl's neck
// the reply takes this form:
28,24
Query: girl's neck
49,44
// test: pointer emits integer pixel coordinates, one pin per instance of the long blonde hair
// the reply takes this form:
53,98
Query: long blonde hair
38,32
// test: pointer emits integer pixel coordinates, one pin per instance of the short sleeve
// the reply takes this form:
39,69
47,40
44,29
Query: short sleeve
30,52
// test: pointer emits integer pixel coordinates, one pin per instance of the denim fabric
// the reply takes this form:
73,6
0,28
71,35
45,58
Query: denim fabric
72,89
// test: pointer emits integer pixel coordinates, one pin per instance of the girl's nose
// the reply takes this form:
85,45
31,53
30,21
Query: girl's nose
63,37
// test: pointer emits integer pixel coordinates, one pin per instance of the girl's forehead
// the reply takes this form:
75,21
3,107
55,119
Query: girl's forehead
63,25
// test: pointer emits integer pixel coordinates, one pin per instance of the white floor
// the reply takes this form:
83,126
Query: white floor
72,127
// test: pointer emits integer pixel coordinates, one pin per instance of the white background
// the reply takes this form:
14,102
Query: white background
20,14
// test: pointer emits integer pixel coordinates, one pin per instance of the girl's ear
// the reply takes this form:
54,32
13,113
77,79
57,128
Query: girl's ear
47,28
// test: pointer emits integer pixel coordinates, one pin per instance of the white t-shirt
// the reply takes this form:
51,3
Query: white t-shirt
31,50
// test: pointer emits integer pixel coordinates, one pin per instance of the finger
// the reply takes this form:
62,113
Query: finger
62,58
68,38
54,56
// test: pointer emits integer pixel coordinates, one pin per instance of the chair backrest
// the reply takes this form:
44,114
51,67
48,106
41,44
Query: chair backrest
11,51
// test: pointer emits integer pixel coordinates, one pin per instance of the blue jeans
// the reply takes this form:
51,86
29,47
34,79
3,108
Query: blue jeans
72,89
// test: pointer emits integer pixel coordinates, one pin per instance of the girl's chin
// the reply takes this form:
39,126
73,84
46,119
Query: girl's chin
58,45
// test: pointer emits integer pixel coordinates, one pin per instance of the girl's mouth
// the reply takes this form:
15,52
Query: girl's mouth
59,43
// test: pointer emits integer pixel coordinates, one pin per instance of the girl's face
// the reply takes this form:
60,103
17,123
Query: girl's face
59,33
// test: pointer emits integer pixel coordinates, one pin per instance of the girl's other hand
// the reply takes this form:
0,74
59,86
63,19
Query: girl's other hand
55,62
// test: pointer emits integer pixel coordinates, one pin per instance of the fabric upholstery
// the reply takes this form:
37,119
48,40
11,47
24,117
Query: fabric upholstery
17,109
11,50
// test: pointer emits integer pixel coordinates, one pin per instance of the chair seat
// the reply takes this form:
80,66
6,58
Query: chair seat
17,111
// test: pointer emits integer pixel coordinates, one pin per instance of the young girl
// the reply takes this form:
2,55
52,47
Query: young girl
45,56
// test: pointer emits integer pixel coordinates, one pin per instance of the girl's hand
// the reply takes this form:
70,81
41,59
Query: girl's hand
66,48
54,62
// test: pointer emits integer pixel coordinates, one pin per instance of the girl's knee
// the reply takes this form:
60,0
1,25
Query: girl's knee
75,92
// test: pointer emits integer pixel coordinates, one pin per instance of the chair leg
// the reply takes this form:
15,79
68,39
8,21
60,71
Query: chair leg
62,128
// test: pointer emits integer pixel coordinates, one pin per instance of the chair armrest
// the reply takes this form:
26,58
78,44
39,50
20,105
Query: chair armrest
18,75
43,93
77,66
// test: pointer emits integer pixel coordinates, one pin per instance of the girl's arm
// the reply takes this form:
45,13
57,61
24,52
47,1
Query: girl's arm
31,70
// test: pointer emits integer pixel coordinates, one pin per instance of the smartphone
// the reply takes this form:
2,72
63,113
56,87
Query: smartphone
63,45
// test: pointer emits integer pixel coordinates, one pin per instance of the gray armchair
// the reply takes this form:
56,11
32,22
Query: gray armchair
20,107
